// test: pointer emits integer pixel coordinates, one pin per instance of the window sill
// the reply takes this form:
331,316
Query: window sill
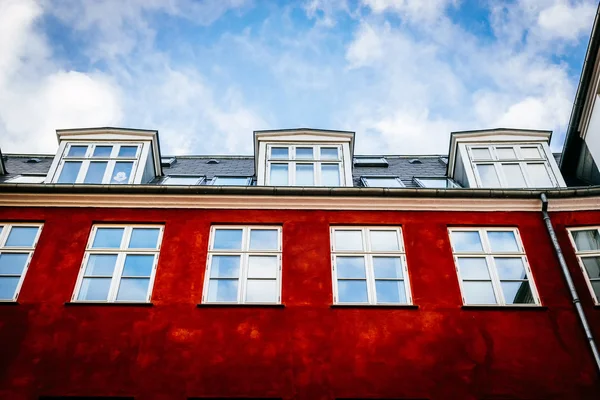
504,308
382,306
105,304
226,305
8,303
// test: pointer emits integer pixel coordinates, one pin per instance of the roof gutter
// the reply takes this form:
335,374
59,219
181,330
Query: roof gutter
588,191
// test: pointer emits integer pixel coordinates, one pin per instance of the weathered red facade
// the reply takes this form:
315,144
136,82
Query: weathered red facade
306,349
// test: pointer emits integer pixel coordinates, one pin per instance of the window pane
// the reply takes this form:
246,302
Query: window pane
305,175
264,239
383,182
390,292
12,263
228,239
352,291
94,289
95,172
100,265
225,267
481,154
262,267
230,181
304,153
513,176
384,240
102,151
348,240
144,238
350,267
506,153
530,152
22,236
538,176
133,289
596,287
77,151
502,241
8,286
261,291
473,268
586,240
108,238
121,172
280,152
387,267
279,175
138,265
510,268
127,151
222,290
488,176
466,241
592,266
329,153
517,293
479,293
69,172
330,175
436,183
181,180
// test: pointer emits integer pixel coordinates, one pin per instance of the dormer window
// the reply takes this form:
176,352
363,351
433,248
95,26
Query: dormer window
301,165
106,156
304,157
516,166
503,158
92,163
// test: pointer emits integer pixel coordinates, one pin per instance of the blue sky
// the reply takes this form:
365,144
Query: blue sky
402,74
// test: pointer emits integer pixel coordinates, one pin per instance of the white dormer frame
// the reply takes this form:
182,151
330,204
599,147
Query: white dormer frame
462,142
303,137
146,140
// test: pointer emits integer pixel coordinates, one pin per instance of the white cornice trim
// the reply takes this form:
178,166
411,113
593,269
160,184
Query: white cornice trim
266,202
575,204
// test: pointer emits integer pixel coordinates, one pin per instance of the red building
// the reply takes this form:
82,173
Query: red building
304,271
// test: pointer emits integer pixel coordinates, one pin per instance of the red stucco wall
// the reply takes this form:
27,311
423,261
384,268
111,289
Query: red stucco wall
307,350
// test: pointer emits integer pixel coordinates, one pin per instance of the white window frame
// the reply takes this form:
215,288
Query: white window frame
121,252
316,161
491,265
248,180
6,228
199,179
368,255
419,182
88,158
244,254
496,161
365,181
582,254
31,179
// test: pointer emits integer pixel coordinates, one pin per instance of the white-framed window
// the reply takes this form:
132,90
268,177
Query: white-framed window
98,163
244,265
231,181
511,166
436,183
370,162
382,181
27,179
586,242
17,243
369,266
304,165
119,264
492,267
184,180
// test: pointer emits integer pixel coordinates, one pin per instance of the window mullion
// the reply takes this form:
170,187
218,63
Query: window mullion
495,279
500,173
85,164
525,173
242,277
370,275
116,279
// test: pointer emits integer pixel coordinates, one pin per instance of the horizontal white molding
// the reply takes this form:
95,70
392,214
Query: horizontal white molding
293,202
265,202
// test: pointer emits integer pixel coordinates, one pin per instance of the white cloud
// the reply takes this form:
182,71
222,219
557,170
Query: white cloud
566,20
413,10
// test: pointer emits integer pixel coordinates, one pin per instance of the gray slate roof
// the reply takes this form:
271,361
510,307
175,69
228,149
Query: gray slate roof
429,166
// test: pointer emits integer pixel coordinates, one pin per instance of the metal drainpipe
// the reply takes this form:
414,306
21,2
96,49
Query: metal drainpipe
567,275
